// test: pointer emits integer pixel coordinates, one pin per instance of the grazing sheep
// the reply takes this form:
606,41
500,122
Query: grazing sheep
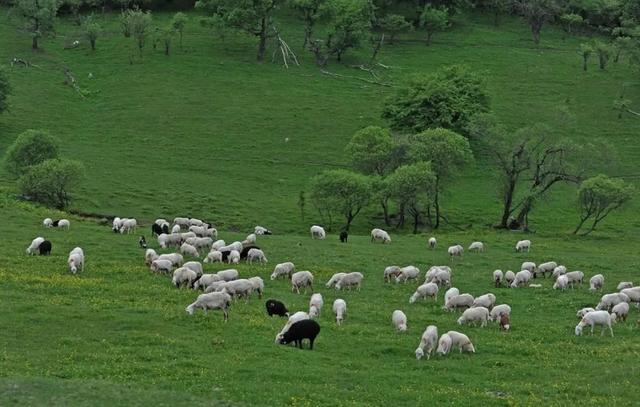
450,293
562,282
35,243
195,266
523,245
340,309
283,269
117,224
159,265
233,246
430,275
189,250
161,222
558,271
478,314
633,293
211,301
175,229
195,222
249,240
595,318
505,322
498,276
315,305
213,256
165,240
228,274
142,242
350,280
47,222
238,288
455,251
609,300
624,284
408,273
205,281
545,268
317,232
334,279
75,260
443,278
498,311
459,301
259,230
620,311
128,226
149,256
296,317
391,271
156,230
64,223
522,278
424,291
584,311
461,341
186,235
200,231
379,235
575,277
258,285
301,279
399,320
175,258
444,345
218,244
182,222
202,242
487,300
529,266
183,276
428,342
509,277
233,257
256,255
596,282
275,307
305,329
344,236
432,243
476,247
216,286
45,248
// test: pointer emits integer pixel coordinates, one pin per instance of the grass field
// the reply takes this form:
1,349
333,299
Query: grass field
202,133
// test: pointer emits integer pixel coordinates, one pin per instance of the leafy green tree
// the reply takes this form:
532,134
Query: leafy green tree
496,8
254,17
309,11
39,17
603,51
178,23
30,148
447,98
340,192
570,21
393,24
433,20
370,150
598,197
92,31
217,24
413,187
621,44
447,151
350,21
51,182
536,13
167,35
139,23
5,89
585,52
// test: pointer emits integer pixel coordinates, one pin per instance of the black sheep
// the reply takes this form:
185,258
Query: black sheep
225,255
275,307
245,251
55,223
156,230
344,236
142,242
165,229
305,329
45,248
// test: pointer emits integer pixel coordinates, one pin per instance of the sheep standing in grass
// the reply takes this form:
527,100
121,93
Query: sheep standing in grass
315,305
161,265
487,300
620,311
523,245
175,258
558,271
498,276
476,247
350,280
455,251
35,243
275,307
633,293
195,266
301,279
575,277
522,278
443,278
75,260
624,284
595,318
432,243
250,239
233,257
545,268
450,293
379,235
391,272
211,301
298,316
509,277
213,256
399,320
241,288
498,311
47,222
461,341
459,301
128,226
424,291
149,256
258,285
334,279
477,314
205,281
259,230
317,232
256,255
283,270
218,244
596,282
189,250
64,223
584,311
408,273
562,282
428,342
529,266
609,300
444,345
340,309
184,276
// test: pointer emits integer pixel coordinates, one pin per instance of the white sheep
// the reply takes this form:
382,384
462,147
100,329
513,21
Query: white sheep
149,256
161,265
424,291
461,341
595,318
620,311
238,288
198,230
301,279
609,300
315,305
408,273
189,250
523,245
545,268
477,314
476,247
317,232
575,277
175,229
296,317
455,251
444,345
283,269
216,286
233,257
584,311
64,223
450,293
195,266
256,255
334,279
459,301
633,293
259,230
35,243
558,271
175,258
509,277
117,224
350,280
529,266
430,275
596,282
209,301
182,222
257,285
498,311
75,260
228,274
47,222
443,277
522,278
340,309
399,320
562,282
391,272
432,242
487,300
428,342
250,239
498,276
128,226
218,244
196,222
205,281
624,284
213,256
202,242
184,236
183,276
379,235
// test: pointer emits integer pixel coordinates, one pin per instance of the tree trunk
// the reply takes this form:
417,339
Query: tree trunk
262,45
307,36
496,18
436,203
34,42
180,33
522,219
429,35
385,211
400,223
93,44
584,63
416,221
508,201
582,221
535,31
166,48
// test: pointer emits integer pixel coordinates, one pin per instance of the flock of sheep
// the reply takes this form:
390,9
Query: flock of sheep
195,238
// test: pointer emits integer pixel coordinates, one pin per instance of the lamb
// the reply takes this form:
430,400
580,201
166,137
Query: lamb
391,271
522,277
256,255
505,322
305,329
596,282
558,271
344,236
424,291
498,276
35,243
195,266
623,285
45,248
498,311
211,301
432,243
283,269
584,311
205,281
408,273
296,317
258,285
575,277
595,318
315,305
609,300
350,280
444,345
450,293
233,257
183,276
428,342
399,320
142,242
455,251
459,301
509,277
161,265
75,260
187,249
238,288
259,230
250,239
474,315
486,300
544,268
476,247
213,256
340,309
275,307
301,279
620,311
379,235
461,341
442,278
47,222
116,224
633,294
149,256
523,245
334,279
317,232
64,223
561,283
175,258
529,266
128,226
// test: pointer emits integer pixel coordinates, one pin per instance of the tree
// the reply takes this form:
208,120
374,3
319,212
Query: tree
309,12
350,21
433,20
571,21
393,24
39,17
447,98
30,148
413,188
497,8
92,31
370,150
598,197
254,17
585,52
602,50
178,23
167,35
447,151
51,182
621,44
537,13
5,90
340,192
138,23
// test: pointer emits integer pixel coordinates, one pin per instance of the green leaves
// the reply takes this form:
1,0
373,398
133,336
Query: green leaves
51,181
600,195
371,150
5,89
30,148
447,151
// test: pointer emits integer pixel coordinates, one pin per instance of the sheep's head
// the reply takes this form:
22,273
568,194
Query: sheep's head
419,353
578,330
190,309
460,320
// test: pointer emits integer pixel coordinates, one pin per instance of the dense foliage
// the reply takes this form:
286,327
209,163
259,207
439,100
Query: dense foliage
30,148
